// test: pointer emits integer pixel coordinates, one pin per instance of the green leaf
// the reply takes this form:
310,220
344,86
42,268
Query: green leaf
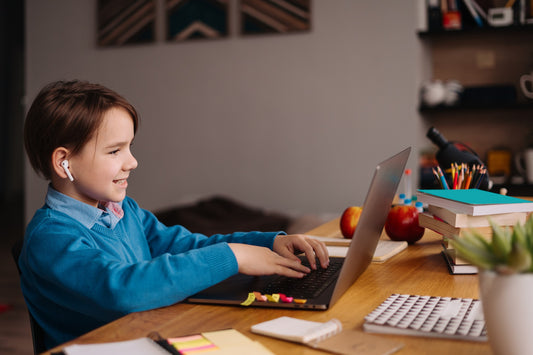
509,251
474,237
519,236
471,249
501,241
519,258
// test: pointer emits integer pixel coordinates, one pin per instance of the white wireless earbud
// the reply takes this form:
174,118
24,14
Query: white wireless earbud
64,164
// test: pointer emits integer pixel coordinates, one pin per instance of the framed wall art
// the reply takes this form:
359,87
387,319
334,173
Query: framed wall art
196,19
122,22
274,16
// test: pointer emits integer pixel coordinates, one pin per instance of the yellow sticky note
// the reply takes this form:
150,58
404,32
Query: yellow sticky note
273,298
192,344
249,300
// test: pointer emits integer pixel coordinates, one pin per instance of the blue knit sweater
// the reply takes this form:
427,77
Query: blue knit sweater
75,278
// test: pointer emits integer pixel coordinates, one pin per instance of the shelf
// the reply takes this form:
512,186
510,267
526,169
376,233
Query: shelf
444,108
491,110
525,190
477,30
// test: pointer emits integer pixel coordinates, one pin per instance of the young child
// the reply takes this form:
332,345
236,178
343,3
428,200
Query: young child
91,254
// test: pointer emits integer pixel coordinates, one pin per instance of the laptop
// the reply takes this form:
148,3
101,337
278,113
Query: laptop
341,273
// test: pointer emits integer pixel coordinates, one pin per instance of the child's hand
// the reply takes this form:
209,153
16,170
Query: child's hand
288,245
254,260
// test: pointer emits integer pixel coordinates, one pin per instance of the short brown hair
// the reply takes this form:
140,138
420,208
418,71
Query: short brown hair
67,114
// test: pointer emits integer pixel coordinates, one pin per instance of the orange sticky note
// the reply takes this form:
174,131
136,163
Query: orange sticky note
260,297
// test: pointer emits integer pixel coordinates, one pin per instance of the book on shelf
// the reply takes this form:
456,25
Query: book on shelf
433,14
328,336
226,341
526,14
463,220
447,230
474,202
470,6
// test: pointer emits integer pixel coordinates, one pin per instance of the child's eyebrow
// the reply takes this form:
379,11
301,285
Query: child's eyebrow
118,144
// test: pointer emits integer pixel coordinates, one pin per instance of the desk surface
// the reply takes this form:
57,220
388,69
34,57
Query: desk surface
420,269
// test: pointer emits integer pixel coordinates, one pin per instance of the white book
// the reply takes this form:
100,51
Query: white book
462,220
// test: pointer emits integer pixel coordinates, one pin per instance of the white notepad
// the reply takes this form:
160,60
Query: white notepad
141,346
298,330
328,336
429,316
385,249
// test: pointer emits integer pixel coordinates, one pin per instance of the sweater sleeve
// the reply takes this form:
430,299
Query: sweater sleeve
150,266
178,239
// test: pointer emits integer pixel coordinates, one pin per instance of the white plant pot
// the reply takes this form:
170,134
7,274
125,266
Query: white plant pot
508,310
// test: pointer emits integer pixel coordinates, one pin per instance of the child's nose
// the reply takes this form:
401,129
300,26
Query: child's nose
131,163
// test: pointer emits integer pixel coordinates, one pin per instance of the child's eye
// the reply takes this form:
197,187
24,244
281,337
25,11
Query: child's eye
114,151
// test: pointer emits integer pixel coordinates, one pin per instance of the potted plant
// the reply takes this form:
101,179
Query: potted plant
506,283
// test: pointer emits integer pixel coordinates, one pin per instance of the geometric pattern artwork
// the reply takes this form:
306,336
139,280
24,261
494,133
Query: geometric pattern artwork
123,22
275,16
196,19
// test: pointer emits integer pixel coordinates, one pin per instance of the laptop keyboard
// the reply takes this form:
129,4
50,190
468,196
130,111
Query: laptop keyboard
311,285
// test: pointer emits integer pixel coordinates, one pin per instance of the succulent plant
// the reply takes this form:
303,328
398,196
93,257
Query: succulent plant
509,251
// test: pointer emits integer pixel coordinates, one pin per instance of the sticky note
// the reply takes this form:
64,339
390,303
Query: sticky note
273,298
192,344
285,299
260,297
300,300
249,300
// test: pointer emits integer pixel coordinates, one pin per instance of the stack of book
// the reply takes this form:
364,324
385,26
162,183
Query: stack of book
452,212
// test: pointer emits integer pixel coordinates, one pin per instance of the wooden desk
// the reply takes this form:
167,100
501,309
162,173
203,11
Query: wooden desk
419,270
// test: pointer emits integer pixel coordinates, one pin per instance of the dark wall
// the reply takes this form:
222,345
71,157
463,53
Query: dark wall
11,118
11,96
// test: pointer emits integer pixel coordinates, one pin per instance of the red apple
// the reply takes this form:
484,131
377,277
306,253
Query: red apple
349,220
402,224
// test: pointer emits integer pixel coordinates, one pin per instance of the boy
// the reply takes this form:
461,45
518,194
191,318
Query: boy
91,254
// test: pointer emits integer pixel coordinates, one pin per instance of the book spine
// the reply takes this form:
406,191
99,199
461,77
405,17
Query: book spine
434,15
470,6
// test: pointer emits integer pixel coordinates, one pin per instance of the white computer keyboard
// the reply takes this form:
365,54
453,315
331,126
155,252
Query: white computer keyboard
443,317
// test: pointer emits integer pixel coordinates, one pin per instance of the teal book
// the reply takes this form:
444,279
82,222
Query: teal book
474,202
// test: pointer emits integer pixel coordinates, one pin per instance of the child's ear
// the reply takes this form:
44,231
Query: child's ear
58,156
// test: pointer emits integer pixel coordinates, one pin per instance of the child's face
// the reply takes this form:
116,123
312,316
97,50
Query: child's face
103,165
